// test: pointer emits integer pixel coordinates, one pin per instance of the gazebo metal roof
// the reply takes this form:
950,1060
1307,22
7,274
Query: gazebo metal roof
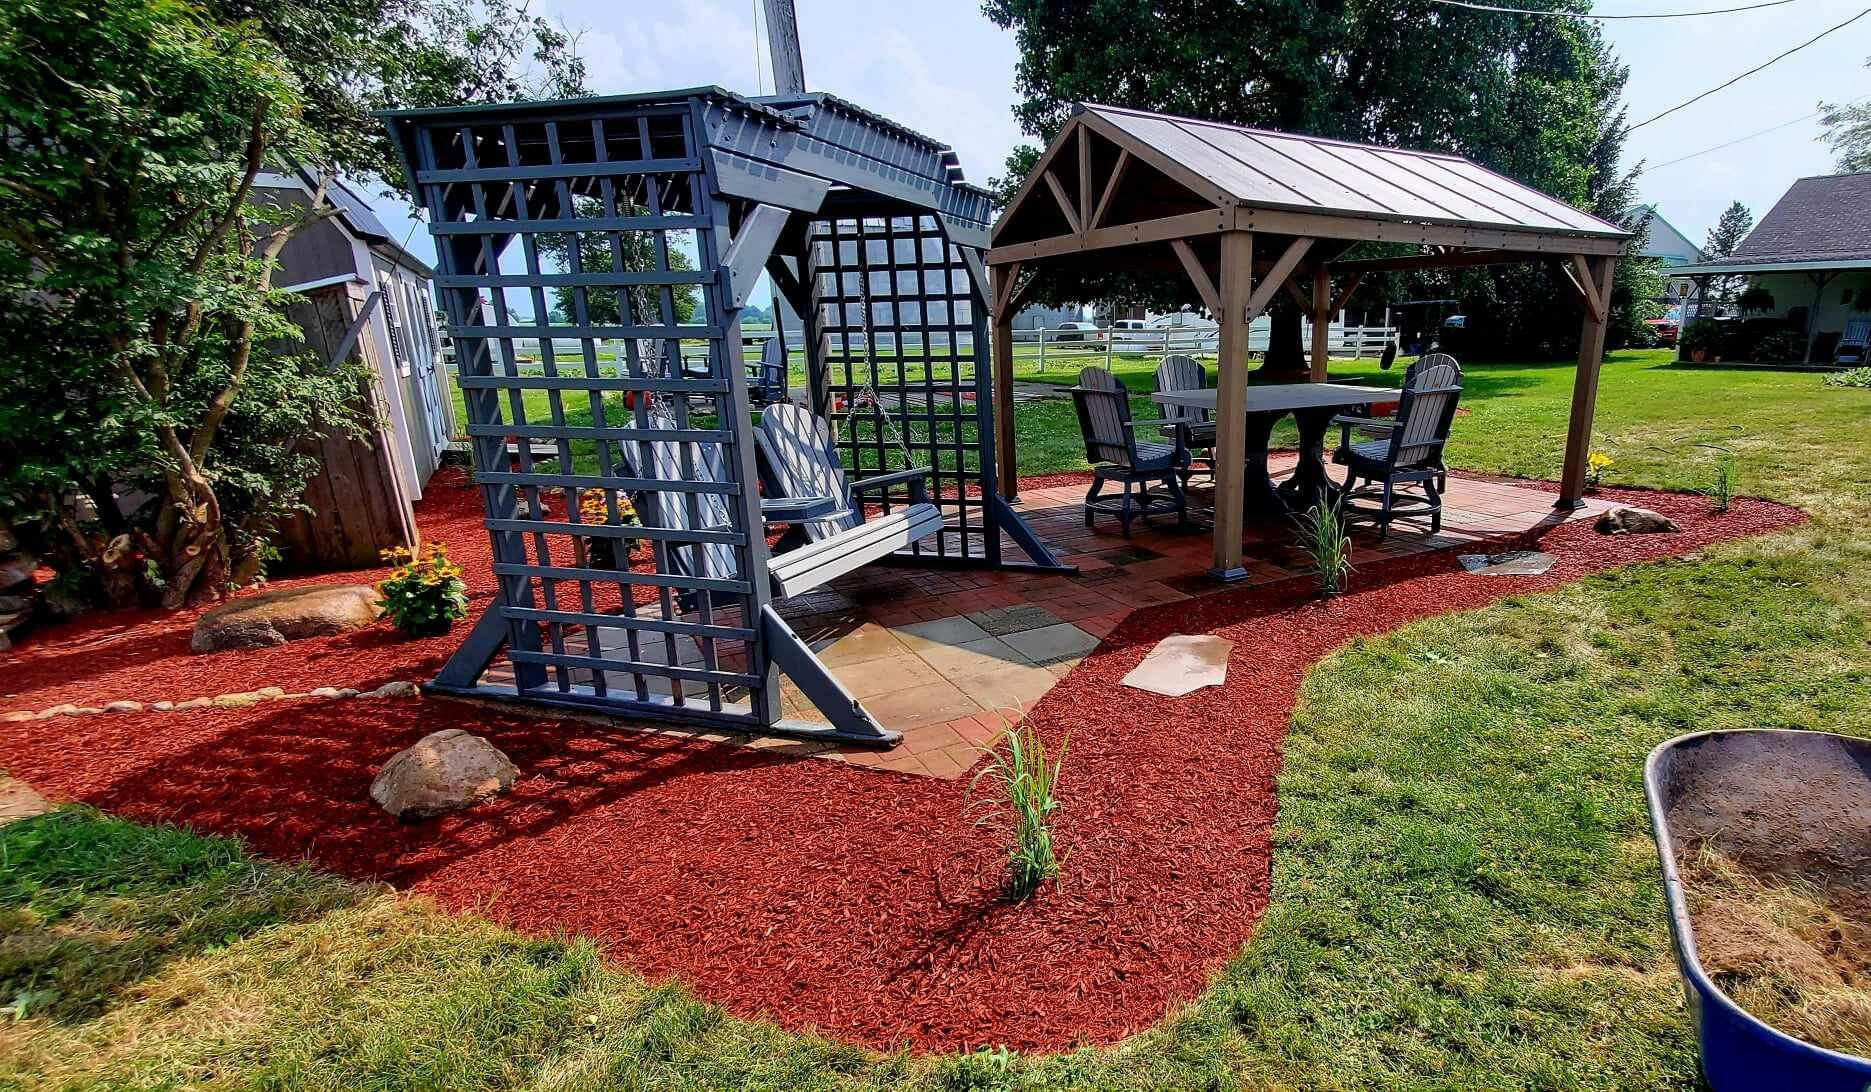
1272,169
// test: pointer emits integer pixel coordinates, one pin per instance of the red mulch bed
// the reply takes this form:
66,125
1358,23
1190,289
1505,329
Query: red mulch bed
858,902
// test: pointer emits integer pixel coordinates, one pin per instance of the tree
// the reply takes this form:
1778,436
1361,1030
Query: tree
1536,99
636,253
148,354
1848,132
1722,241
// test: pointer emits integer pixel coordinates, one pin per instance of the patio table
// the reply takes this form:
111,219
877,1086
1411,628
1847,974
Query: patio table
1313,405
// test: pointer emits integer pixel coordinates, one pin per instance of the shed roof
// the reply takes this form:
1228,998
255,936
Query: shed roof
1820,223
1266,168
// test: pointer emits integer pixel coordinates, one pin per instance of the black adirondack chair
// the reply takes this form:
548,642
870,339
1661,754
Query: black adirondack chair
1118,456
1403,468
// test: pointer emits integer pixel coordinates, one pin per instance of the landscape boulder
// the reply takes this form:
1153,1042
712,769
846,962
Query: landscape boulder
441,772
275,617
1635,521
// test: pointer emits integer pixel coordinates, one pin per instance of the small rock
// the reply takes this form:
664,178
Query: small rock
347,692
193,703
16,570
1634,521
85,711
271,693
325,692
236,701
17,715
125,706
397,689
273,618
441,772
162,706
59,710
19,801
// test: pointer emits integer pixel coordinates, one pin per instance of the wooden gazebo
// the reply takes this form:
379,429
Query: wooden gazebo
1248,213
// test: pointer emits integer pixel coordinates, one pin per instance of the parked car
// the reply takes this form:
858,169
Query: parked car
1078,331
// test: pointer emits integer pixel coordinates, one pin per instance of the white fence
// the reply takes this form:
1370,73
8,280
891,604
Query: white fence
1355,342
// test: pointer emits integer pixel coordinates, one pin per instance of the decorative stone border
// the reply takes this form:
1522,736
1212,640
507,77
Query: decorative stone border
239,700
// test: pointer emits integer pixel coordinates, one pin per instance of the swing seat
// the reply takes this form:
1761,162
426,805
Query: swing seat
803,467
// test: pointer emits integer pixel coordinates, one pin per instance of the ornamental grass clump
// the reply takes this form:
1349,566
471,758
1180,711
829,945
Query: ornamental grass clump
1024,782
1326,542
1721,492
424,594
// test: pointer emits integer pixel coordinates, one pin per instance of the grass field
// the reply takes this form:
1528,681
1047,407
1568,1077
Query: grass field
1465,893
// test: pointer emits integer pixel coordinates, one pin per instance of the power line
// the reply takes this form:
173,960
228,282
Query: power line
1731,143
1737,79
1590,15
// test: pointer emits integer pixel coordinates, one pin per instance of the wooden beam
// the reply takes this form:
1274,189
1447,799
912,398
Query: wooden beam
1416,233
1344,294
747,254
1583,295
1321,321
1184,226
1585,388
1204,287
1298,294
1007,461
1237,288
1084,176
1584,279
1110,189
1282,269
1065,203
1443,260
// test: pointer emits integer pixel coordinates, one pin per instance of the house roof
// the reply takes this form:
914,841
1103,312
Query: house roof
1822,222
1271,169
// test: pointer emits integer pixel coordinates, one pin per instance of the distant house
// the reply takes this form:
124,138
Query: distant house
1812,254
1672,249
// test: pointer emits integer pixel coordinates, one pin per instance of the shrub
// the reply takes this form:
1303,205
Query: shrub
1755,298
1780,346
1701,335
1024,782
1856,377
424,595
1327,546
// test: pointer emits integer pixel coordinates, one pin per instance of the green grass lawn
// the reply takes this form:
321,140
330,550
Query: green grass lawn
1465,892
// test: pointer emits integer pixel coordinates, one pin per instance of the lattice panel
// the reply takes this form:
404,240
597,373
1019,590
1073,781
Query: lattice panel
580,406
897,330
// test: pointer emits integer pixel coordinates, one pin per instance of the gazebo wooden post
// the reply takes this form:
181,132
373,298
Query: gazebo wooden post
1321,321
1595,280
1237,285
1005,302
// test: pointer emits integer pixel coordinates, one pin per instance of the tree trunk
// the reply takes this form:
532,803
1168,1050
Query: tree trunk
1286,360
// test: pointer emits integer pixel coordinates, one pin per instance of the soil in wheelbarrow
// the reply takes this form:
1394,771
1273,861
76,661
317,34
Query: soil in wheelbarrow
1774,849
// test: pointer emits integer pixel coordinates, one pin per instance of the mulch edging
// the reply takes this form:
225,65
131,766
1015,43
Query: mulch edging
857,902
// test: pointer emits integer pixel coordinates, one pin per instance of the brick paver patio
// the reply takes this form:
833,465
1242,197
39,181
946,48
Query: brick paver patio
949,657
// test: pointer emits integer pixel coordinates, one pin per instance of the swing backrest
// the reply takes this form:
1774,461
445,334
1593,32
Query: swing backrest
803,462
689,511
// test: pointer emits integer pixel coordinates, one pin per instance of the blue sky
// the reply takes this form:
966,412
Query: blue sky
940,67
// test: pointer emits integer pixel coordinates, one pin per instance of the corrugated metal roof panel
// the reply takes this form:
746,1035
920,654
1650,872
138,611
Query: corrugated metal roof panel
1289,170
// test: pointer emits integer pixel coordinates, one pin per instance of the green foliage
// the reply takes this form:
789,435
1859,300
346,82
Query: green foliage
1848,133
1701,335
1024,782
636,253
1851,377
1325,541
1722,241
1536,99
1756,298
1721,491
1779,347
424,595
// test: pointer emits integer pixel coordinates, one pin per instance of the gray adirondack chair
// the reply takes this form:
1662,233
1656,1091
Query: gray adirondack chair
1407,455
805,476
1853,342
1117,455
1197,426
694,510
1379,427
